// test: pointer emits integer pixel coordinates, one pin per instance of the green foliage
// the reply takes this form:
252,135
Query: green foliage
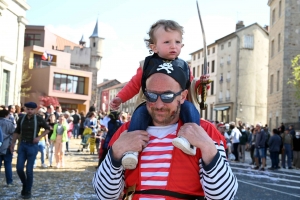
296,75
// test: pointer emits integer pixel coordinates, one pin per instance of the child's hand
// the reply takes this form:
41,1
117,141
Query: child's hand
115,103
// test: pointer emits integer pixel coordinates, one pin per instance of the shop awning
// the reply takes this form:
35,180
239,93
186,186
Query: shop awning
221,108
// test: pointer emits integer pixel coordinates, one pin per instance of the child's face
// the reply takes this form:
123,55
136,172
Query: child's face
168,44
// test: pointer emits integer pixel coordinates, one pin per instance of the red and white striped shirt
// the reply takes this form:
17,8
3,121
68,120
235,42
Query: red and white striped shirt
156,158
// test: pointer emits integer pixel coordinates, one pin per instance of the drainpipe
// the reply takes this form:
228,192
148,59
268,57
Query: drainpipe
237,75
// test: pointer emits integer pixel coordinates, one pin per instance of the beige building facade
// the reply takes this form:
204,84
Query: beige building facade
284,46
242,75
197,60
12,29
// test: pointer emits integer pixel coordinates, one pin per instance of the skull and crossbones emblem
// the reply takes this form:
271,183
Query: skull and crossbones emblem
166,66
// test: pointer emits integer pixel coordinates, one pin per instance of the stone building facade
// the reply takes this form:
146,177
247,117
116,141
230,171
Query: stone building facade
197,60
12,29
284,46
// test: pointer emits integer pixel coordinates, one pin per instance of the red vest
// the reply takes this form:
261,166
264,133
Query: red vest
184,170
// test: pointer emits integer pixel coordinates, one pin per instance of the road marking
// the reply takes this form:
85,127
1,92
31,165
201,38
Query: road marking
273,173
269,189
282,185
267,177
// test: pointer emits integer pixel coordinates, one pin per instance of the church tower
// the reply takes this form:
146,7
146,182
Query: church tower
96,48
96,43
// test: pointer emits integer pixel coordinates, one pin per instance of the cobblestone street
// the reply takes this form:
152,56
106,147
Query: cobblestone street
72,182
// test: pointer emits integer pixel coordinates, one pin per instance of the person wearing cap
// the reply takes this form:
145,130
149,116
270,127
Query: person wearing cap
221,128
163,171
28,127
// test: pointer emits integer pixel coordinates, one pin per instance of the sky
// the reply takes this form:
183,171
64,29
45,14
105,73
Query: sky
125,23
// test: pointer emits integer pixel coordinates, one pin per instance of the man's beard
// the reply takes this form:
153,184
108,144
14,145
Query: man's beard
167,117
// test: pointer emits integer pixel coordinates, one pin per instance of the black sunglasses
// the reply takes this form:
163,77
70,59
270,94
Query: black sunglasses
166,97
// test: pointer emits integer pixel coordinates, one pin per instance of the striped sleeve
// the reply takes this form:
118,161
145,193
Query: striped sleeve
217,178
108,181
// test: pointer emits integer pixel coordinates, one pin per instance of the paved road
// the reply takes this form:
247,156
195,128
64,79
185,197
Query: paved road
266,185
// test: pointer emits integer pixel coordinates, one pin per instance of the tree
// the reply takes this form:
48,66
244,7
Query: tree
26,76
47,101
296,75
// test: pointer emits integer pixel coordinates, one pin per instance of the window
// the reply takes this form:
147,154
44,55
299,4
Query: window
278,42
279,9
273,16
248,42
278,74
222,46
208,52
5,87
199,55
207,68
228,76
214,50
194,57
228,59
298,116
194,71
32,39
94,44
227,95
272,48
221,77
222,62
277,121
270,122
229,44
212,88
212,66
271,84
198,70
220,96
68,83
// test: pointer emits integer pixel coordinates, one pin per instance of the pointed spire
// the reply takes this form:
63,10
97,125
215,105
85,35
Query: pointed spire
82,41
95,33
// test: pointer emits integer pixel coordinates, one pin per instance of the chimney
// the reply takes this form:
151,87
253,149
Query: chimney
239,25
266,27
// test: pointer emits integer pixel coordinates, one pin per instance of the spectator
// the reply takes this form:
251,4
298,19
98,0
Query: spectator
91,122
60,136
296,150
7,129
235,136
42,145
52,122
58,112
252,145
69,132
287,140
221,129
274,148
243,141
81,128
12,110
260,142
282,127
76,123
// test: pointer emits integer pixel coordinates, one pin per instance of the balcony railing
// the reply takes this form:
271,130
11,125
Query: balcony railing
220,99
228,62
44,63
221,64
228,80
227,98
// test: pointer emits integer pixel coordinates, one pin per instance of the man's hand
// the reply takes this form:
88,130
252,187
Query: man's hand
115,103
198,137
36,140
130,141
12,147
198,82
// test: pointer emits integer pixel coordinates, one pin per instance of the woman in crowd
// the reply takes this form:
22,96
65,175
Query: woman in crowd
52,122
252,145
91,122
60,136
296,150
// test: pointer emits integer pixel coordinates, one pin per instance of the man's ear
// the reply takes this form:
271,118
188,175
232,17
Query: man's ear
153,47
184,94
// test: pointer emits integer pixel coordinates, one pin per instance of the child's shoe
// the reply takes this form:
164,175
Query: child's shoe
184,145
130,160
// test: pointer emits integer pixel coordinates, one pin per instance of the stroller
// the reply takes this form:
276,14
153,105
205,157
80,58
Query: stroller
86,135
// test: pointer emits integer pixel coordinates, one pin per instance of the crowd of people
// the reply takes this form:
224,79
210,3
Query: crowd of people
31,129
282,144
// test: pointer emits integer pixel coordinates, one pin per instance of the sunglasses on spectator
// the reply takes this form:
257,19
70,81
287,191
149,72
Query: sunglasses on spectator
166,97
